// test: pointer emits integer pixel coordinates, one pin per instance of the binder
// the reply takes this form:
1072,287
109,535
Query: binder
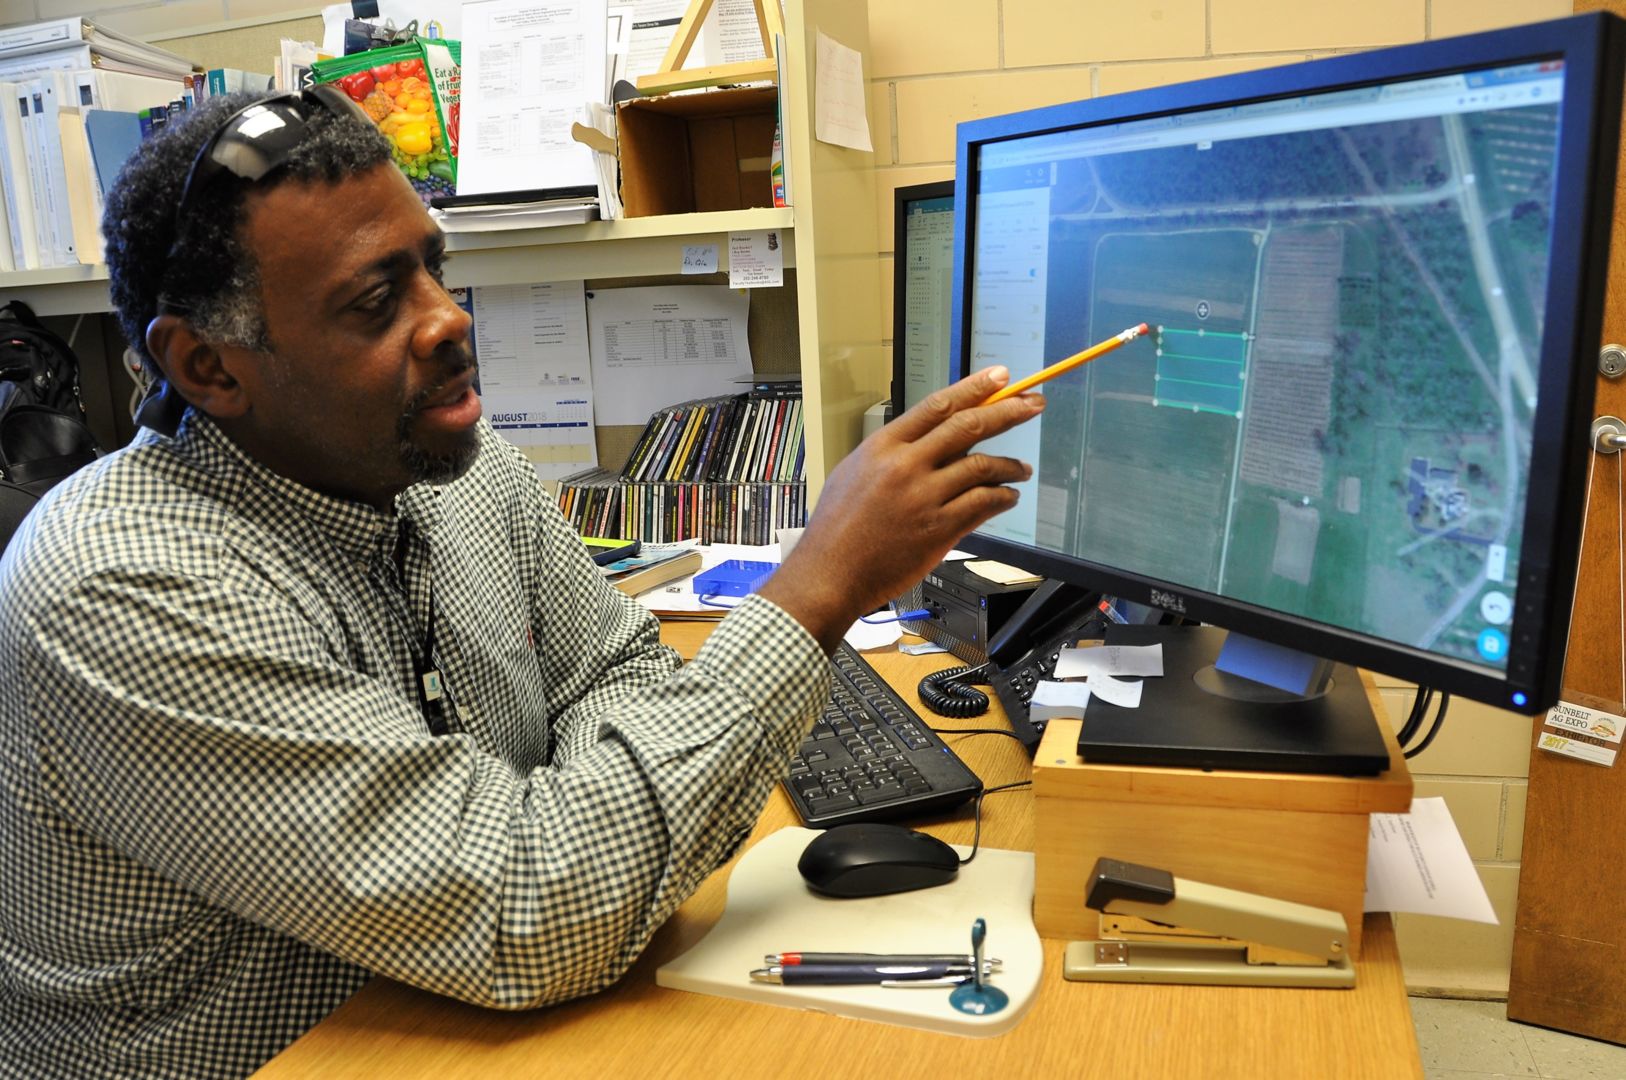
48,144
83,193
31,103
74,34
14,179
128,91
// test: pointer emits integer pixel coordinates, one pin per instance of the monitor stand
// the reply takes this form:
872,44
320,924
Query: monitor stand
1200,715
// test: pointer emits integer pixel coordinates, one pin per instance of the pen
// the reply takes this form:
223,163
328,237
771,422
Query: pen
1068,364
857,974
789,959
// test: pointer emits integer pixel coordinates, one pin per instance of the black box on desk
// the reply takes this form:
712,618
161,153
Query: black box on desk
969,609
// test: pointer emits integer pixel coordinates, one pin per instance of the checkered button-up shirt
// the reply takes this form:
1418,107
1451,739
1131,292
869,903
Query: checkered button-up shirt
221,806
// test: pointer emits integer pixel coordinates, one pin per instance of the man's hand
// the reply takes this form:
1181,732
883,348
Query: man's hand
895,506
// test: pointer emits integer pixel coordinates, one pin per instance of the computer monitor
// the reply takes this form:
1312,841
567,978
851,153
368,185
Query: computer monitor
922,290
1358,427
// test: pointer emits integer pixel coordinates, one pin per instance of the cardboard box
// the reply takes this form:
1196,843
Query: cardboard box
687,153
1292,836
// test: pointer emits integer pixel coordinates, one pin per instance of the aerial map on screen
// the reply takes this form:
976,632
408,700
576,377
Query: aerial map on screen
1332,415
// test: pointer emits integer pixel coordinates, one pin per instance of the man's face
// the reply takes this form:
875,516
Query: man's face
368,387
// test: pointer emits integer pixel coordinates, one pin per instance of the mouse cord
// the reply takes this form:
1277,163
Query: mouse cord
976,835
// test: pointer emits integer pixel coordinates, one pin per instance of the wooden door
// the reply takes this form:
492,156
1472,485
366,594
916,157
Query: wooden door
1569,935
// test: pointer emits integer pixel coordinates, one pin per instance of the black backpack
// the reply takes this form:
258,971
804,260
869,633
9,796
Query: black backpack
36,366
43,437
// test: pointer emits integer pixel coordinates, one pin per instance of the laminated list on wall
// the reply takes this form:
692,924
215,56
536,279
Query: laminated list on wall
653,346
535,378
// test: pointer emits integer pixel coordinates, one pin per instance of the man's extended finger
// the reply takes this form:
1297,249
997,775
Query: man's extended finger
975,470
939,405
948,482
975,506
968,427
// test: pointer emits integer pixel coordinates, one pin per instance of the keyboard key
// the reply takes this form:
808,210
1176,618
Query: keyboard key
832,804
884,793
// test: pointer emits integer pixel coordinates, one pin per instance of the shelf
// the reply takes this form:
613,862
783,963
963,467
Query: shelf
60,290
630,247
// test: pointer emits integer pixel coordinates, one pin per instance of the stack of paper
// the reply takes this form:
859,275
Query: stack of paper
465,215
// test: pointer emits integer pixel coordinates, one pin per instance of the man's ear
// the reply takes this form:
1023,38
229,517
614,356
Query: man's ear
195,368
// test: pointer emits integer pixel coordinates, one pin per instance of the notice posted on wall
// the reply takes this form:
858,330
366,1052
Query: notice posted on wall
1577,731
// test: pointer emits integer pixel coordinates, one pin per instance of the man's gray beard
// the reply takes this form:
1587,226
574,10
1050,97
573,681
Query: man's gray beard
425,467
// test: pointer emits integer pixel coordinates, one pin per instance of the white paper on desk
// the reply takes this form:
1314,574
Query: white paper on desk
1119,660
1124,693
1053,700
838,110
1001,573
658,345
1416,863
756,260
862,635
535,382
529,66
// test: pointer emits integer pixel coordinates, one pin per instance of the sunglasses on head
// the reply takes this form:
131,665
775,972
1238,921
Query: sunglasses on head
253,142
258,138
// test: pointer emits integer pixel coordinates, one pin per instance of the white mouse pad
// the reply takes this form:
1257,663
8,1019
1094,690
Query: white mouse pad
771,910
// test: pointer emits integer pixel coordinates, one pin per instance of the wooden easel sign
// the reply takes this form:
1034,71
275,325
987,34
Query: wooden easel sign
672,76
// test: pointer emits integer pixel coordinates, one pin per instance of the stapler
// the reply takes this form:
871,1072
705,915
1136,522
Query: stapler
1157,928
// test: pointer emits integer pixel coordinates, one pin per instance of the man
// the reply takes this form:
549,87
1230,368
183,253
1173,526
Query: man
312,681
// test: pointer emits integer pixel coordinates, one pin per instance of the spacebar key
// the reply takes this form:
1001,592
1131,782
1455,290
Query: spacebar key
831,805
881,793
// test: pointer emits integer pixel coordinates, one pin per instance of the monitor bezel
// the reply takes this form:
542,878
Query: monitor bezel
902,196
1591,49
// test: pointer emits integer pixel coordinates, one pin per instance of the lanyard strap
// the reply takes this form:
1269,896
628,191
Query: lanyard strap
431,685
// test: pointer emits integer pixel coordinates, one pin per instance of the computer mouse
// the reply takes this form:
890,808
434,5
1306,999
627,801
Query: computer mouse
872,860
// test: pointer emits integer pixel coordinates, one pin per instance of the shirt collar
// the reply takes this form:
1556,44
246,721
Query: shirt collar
357,529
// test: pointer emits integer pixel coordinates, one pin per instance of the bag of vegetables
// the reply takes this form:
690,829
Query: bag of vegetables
411,92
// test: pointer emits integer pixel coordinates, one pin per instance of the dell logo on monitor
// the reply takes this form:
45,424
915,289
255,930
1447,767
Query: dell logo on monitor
1169,601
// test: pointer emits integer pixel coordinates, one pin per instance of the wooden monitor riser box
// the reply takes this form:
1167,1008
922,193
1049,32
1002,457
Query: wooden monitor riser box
1295,837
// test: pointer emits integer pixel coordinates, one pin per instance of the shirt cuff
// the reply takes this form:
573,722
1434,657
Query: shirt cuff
771,659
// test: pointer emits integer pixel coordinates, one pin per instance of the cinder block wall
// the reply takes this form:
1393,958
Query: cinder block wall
935,62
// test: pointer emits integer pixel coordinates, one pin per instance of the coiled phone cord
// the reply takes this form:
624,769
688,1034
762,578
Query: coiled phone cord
949,693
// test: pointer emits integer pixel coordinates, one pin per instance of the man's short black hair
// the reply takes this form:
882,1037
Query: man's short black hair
201,263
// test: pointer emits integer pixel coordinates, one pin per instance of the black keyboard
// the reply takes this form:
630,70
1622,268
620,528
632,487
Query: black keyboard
871,757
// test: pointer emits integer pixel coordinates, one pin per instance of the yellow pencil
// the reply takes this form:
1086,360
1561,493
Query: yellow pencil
1069,364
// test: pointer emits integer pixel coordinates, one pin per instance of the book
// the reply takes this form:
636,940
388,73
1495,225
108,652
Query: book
606,549
113,136
667,564
231,80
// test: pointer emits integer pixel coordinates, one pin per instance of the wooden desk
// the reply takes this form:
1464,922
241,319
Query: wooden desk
639,1030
